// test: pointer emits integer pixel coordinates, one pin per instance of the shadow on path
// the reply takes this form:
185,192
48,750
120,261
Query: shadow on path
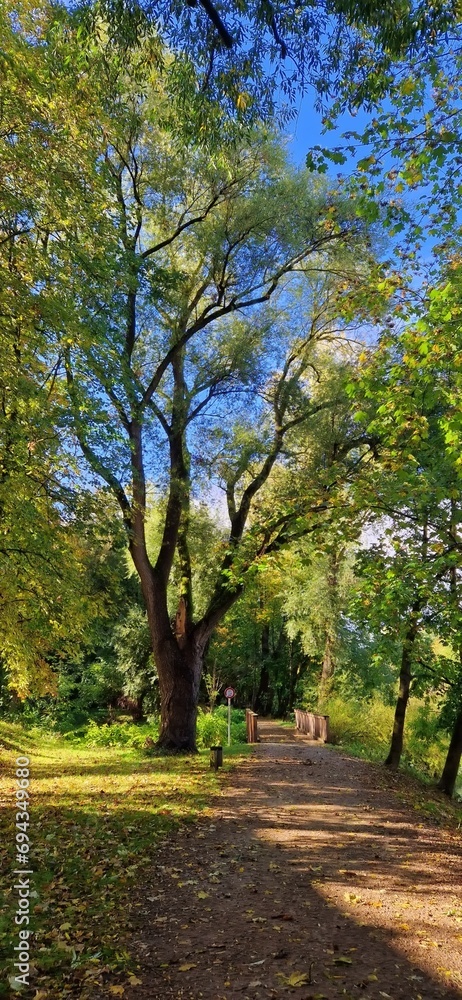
308,881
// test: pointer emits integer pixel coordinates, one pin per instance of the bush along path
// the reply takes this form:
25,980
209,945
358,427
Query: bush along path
315,878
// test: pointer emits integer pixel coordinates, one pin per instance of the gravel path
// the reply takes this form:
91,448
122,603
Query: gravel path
312,879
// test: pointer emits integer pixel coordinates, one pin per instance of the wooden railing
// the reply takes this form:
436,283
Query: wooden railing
251,721
312,725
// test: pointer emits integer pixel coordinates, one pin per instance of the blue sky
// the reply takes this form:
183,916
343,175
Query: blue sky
305,130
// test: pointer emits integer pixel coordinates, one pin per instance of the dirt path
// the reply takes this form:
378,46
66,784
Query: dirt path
310,881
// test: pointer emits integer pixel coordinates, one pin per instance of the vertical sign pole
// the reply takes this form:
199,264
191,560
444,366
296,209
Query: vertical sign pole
229,722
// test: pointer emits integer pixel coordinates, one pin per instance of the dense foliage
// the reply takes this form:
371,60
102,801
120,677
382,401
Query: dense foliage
229,410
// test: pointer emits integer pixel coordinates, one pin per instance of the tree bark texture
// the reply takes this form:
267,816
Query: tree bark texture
179,673
448,778
328,665
405,678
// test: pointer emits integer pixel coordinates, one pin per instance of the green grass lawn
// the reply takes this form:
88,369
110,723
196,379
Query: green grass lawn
96,815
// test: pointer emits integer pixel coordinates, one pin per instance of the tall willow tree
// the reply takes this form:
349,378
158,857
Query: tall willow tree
246,52
174,295
192,353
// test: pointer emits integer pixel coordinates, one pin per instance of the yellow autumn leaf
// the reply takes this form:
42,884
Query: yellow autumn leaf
295,979
187,966
408,86
134,981
242,100
203,895
117,991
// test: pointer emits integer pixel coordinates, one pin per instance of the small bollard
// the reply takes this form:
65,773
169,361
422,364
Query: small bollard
216,757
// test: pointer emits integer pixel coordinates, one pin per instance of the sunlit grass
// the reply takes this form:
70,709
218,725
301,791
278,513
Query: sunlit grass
96,816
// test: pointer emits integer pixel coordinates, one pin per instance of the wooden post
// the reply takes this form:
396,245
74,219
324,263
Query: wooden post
251,722
216,757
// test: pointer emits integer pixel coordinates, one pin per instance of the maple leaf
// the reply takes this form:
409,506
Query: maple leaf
295,979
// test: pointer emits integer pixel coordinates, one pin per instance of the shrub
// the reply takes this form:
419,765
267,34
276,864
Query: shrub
365,728
120,734
366,724
425,744
212,727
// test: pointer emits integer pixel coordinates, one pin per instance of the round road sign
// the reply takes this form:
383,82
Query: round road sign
229,692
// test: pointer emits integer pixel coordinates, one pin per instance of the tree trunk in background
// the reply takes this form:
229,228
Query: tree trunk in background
328,666
263,686
297,667
405,678
448,778
261,699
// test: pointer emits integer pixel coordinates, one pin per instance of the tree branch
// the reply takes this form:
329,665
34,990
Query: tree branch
92,458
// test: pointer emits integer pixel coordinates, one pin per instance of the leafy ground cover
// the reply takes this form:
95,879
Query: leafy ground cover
97,815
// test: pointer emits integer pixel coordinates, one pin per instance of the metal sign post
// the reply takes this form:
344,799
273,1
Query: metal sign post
229,694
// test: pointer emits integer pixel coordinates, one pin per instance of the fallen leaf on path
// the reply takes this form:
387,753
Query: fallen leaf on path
203,895
295,979
352,897
187,966
134,981
117,991
342,960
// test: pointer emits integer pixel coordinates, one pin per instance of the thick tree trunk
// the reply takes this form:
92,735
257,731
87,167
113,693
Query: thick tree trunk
179,673
405,678
178,657
448,778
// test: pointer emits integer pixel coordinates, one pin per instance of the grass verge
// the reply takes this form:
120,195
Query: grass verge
96,816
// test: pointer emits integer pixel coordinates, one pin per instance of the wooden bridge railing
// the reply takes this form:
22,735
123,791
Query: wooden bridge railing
313,725
251,721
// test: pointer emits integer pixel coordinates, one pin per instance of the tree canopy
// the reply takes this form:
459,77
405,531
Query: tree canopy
219,362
